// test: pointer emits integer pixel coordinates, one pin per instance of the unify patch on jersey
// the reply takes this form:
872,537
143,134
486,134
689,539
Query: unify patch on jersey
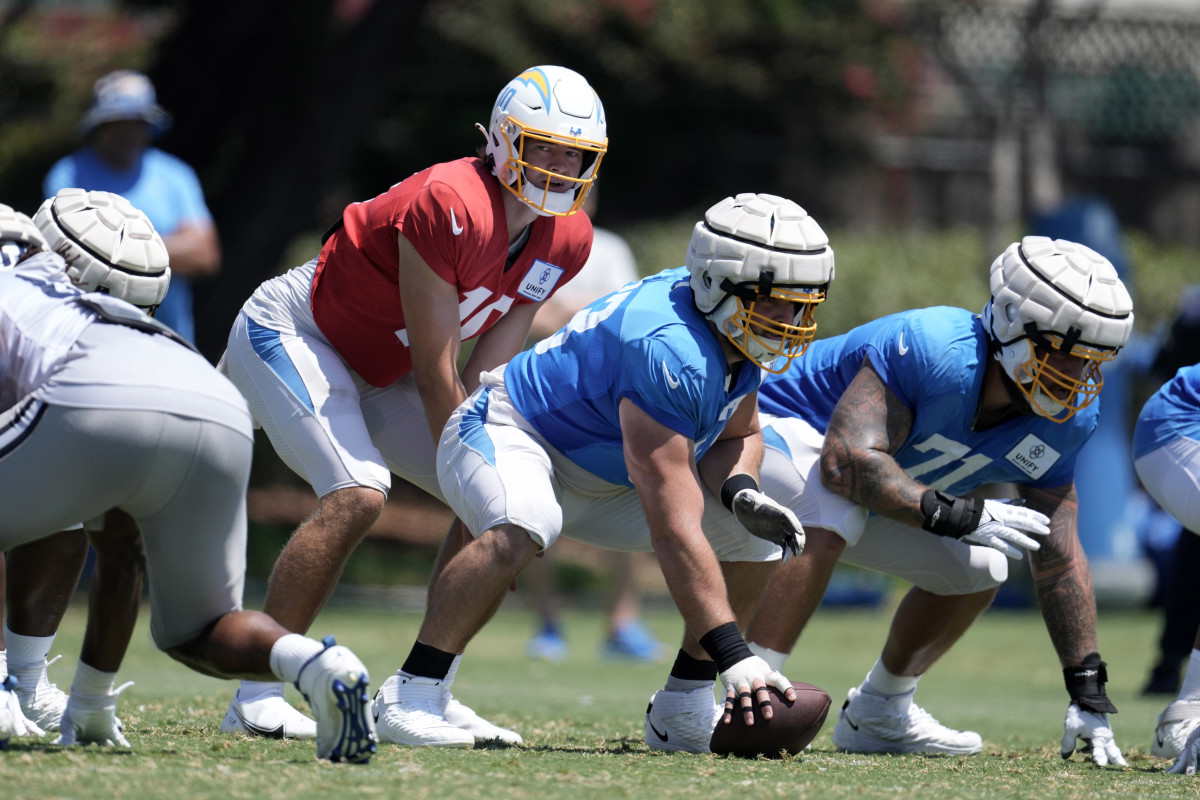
540,281
1033,456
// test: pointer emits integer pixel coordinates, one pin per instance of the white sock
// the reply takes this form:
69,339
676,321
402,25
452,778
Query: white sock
91,682
289,653
1191,678
451,672
883,683
774,658
25,651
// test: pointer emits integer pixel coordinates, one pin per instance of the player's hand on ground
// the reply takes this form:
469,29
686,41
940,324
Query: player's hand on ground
766,519
1093,731
1008,528
746,685
1189,758
13,721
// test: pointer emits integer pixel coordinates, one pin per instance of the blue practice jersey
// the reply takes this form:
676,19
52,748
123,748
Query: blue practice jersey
1173,411
646,342
932,359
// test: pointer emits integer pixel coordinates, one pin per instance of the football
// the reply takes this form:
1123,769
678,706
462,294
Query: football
789,731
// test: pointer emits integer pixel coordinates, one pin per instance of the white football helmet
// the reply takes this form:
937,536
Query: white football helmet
546,104
18,235
753,246
109,246
1051,296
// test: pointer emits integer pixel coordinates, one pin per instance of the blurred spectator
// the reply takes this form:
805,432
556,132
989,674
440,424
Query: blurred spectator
117,157
610,266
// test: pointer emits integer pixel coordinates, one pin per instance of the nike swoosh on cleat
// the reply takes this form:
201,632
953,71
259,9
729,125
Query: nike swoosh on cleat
657,732
1161,741
268,733
850,722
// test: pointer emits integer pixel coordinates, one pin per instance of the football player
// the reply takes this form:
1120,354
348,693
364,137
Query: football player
1166,451
350,362
611,432
90,379
878,440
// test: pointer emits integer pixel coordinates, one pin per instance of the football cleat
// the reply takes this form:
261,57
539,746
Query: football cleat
549,645
868,723
41,701
462,717
1175,724
411,711
12,719
682,720
334,682
92,719
632,641
267,715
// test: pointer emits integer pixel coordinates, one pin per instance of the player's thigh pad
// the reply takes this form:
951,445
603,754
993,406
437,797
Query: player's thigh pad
306,400
493,474
791,476
938,564
60,465
1171,475
192,514
396,421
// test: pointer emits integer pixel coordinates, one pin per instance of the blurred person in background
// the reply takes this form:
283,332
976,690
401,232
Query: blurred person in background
117,130
350,363
610,266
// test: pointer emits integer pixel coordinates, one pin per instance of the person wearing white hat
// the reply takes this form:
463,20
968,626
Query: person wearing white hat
117,157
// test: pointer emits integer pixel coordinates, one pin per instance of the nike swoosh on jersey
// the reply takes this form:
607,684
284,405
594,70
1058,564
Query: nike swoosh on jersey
455,228
900,348
672,381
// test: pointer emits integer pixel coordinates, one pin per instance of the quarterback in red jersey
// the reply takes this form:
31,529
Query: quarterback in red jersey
350,362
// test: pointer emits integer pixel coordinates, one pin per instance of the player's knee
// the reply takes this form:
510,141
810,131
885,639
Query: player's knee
356,506
510,547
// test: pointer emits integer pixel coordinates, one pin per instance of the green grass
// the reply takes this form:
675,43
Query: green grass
582,723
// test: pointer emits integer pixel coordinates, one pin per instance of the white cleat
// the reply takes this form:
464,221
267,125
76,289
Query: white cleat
90,719
462,717
682,721
1175,724
42,702
871,724
412,711
334,682
267,715
12,719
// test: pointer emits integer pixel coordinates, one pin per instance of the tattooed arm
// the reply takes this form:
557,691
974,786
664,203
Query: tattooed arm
868,425
1061,575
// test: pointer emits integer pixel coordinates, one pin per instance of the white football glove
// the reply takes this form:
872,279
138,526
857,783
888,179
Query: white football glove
13,721
1188,758
1004,525
1092,729
92,720
766,519
740,691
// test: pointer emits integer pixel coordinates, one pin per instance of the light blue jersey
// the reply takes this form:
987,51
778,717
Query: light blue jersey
1173,411
647,342
932,359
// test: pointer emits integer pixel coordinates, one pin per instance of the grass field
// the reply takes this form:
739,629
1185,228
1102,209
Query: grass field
582,723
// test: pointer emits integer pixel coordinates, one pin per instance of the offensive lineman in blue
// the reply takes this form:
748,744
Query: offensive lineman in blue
875,438
1166,452
612,432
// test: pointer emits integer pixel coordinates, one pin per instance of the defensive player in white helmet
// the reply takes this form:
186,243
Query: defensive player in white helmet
104,244
350,362
597,434
85,376
879,439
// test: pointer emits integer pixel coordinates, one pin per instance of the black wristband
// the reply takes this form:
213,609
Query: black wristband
947,515
726,645
734,484
1085,684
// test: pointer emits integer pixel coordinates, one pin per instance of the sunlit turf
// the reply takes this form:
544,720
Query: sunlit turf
582,722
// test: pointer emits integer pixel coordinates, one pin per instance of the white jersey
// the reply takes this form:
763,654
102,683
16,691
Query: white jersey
45,334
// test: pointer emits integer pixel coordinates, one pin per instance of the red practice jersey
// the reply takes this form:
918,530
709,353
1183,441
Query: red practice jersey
453,215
